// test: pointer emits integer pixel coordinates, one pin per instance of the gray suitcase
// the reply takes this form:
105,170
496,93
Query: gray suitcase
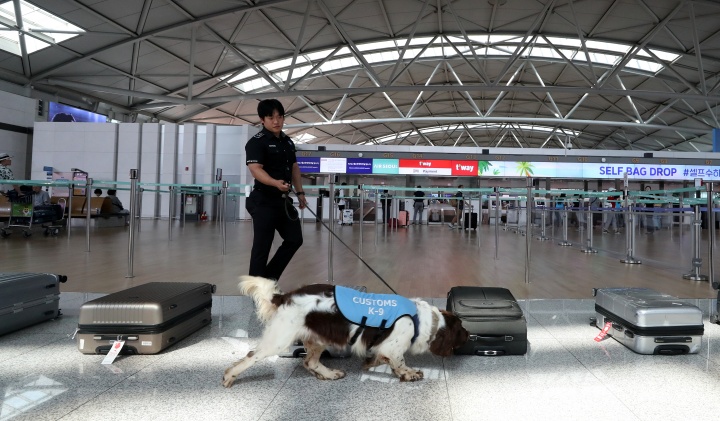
648,321
27,299
148,317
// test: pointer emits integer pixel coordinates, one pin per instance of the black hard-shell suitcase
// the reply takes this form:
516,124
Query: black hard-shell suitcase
148,317
47,213
493,318
27,299
471,220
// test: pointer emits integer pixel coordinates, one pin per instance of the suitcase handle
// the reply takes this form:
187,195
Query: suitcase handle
490,338
486,304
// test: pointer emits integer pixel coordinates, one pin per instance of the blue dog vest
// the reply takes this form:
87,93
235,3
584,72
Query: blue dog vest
374,310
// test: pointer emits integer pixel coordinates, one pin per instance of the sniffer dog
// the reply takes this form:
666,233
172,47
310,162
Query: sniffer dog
310,314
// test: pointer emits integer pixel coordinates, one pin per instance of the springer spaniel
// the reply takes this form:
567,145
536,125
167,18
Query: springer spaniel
310,314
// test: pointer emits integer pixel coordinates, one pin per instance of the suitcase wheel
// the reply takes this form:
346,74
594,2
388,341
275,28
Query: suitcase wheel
4,233
27,233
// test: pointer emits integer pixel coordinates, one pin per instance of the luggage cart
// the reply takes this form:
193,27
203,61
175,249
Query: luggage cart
23,215
21,210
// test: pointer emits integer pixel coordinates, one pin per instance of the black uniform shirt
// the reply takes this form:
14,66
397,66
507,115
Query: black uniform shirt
277,156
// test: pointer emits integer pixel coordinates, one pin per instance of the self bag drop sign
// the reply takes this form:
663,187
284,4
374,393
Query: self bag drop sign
650,171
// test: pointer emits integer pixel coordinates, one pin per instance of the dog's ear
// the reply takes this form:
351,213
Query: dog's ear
449,337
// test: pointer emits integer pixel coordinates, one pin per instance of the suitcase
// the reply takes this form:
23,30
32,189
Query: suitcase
347,217
148,317
648,321
403,218
471,220
47,213
493,318
27,299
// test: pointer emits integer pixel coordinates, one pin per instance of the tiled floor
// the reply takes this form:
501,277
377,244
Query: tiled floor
565,376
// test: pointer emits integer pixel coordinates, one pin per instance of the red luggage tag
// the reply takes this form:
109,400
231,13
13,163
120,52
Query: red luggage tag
113,353
600,336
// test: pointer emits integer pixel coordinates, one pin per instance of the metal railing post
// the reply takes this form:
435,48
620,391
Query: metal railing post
360,219
88,221
694,274
131,233
171,211
629,234
222,205
528,228
71,190
138,211
331,213
564,215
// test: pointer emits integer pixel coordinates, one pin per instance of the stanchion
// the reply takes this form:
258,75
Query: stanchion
88,221
331,213
171,211
564,215
223,204
131,231
360,220
543,223
715,318
138,211
694,274
497,219
377,205
68,222
589,235
528,228
629,234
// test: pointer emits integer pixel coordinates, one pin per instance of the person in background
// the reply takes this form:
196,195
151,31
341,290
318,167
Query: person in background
117,206
614,205
418,205
271,161
458,208
40,196
97,192
386,203
6,173
652,219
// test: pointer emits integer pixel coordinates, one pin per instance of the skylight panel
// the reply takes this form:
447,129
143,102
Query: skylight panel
36,20
252,85
244,75
662,55
382,57
644,65
381,45
608,46
304,138
319,55
341,63
420,41
567,42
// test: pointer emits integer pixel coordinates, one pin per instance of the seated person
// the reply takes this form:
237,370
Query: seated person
97,192
40,196
117,206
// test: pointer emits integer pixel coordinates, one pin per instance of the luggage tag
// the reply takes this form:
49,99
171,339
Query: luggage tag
113,353
600,336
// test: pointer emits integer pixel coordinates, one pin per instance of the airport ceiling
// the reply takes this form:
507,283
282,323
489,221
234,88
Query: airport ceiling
586,74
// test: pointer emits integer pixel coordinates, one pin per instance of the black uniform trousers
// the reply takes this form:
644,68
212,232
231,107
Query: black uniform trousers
271,213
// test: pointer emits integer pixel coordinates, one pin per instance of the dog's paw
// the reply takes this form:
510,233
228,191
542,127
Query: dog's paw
333,375
228,379
411,376
369,363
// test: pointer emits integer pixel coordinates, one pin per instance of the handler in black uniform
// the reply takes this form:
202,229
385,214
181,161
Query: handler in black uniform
271,160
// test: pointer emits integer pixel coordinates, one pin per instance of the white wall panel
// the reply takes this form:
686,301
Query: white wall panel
149,167
128,157
168,164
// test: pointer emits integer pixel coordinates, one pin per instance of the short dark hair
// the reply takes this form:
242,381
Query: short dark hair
111,192
97,191
266,107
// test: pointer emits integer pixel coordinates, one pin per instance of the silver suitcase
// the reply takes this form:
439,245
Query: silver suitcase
648,321
27,299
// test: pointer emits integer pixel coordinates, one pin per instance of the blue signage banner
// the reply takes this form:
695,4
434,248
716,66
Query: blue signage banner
359,165
309,165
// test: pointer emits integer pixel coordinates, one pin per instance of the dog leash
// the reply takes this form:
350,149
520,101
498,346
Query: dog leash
343,243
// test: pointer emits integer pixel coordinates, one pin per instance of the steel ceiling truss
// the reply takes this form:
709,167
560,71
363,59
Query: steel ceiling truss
606,103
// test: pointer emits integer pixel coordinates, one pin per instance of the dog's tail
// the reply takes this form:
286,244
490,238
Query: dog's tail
261,290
